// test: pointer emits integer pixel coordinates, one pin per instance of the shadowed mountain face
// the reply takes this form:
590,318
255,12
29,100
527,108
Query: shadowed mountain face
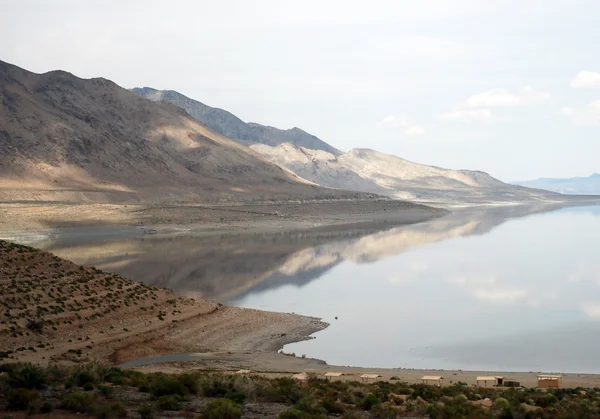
231,126
577,185
228,267
68,139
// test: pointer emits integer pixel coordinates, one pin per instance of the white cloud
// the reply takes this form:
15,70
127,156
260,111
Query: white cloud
584,116
591,309
408,129
502,98
495,97
586,80
476,108
415,131
468,115
500,295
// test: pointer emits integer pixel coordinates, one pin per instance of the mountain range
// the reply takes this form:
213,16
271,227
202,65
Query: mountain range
64,138
576,185
359,169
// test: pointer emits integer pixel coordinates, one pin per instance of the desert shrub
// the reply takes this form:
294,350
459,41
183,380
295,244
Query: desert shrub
384,411
36,325
46,407
83,376
21,398
165,385
88,386
236,397
78,402
501,403
171,402
369,401
105,390
26,376
118,410
310,404
146,411
215,385
333,406
221,409
284,390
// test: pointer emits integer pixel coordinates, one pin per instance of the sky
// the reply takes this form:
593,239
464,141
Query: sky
504,86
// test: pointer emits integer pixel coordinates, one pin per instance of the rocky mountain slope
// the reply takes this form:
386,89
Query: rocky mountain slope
359,169
369,170
577,185
231,126
68,139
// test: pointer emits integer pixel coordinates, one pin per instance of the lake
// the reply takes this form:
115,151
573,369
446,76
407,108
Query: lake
512,289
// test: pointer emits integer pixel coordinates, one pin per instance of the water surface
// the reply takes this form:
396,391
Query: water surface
514,289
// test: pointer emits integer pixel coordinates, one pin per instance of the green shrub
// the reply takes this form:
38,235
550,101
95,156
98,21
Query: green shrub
146,411
284,390
369,401
105,390
384,411
310,404
78,402
333,406
172,402
221,409
236,397
26,376
165,385
20,398
46,407
88,386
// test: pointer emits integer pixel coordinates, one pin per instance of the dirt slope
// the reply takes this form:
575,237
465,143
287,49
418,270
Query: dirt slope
68,139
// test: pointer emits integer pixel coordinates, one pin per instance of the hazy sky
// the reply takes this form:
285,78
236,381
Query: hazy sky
509,87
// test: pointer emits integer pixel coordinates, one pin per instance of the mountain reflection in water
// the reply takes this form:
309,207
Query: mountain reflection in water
468,290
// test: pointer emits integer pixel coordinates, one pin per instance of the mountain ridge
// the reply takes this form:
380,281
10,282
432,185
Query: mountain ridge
229,125
573,185
65,138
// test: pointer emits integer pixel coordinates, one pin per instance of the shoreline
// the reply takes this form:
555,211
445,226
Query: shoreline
231,338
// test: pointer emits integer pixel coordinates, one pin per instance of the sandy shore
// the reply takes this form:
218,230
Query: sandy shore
45,217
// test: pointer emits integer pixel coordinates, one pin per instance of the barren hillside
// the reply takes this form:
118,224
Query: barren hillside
371,171
68,139
226,123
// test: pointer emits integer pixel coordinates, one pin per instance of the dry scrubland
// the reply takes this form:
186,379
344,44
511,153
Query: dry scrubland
55,310
109,392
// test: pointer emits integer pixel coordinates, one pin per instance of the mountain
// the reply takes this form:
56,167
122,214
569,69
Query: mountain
229,125
64,138
372,171
362,170
576,185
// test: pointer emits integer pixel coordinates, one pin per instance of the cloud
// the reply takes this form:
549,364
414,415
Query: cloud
477,107
408,129
584,116
503,98
468,115
495,97
500,295
591,309
415,131
586,80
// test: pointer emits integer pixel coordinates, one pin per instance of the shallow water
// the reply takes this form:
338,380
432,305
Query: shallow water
508,289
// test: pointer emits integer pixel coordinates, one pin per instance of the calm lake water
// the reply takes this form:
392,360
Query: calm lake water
509,289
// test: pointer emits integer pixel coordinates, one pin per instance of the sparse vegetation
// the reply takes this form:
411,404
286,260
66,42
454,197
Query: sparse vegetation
25,388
